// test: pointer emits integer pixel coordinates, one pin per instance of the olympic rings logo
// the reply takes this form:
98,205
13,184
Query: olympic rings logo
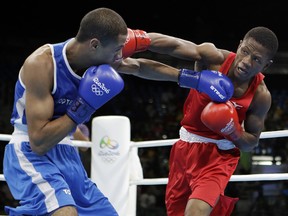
96,90
109,159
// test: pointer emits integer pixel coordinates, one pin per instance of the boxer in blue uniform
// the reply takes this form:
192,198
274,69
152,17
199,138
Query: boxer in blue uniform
59,87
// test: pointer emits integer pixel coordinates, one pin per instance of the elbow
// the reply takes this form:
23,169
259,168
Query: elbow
248,142
37,147
247,148
37,143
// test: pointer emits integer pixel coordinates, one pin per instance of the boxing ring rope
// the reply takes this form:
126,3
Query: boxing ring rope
111,160
234,178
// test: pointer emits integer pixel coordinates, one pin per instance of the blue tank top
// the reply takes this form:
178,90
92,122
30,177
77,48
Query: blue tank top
65,88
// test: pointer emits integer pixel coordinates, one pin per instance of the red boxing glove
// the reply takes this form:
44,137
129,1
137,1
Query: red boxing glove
222,118
137,41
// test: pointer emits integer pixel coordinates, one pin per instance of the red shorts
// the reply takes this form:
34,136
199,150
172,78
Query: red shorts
198,171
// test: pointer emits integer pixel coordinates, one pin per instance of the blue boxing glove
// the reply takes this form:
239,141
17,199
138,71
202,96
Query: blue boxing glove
213,83
98,85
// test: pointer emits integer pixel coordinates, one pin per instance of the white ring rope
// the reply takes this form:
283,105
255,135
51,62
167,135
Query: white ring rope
169,142
78,143
234,178
154,143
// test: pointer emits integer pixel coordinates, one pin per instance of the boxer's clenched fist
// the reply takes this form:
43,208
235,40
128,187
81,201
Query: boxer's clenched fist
213,83
222,118
137,41
98,85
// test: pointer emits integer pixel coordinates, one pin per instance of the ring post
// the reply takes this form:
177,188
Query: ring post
110,160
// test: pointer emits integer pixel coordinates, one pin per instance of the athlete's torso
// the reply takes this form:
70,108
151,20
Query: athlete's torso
64,90
195,103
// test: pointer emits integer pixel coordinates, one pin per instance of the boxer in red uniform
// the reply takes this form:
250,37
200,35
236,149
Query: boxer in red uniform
211,137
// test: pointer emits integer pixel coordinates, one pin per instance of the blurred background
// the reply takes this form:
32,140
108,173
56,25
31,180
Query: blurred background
155,108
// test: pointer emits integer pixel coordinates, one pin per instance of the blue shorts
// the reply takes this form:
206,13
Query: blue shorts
45,183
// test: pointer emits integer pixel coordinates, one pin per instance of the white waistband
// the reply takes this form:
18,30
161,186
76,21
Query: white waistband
222,144
22,136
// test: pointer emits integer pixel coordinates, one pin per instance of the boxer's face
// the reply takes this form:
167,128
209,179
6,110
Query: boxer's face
110,52
251,59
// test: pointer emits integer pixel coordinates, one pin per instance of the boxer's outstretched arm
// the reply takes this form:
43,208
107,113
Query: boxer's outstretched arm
216,85
148,69
139,41
184,49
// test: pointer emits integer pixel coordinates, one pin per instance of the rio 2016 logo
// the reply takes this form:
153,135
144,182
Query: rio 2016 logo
109,149
106,142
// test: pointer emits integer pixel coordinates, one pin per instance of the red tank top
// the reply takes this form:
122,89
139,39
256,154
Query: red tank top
195,103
